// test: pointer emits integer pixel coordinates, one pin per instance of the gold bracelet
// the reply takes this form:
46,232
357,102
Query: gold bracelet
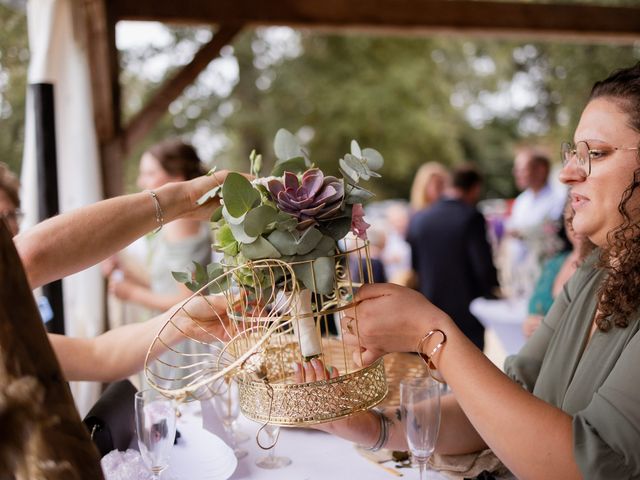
159,213
428,358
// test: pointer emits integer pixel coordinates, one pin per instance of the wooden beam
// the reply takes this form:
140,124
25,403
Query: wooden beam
145,120
105,71
496,18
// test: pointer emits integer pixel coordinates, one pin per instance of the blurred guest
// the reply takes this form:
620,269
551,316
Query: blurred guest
178,244
428,185
555,273
396,254
535,214
451,254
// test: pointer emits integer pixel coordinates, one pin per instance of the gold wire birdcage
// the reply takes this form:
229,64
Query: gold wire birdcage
252,332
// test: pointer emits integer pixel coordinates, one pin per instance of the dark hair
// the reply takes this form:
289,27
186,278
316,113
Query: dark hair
620,292
9,184
178,158
465,177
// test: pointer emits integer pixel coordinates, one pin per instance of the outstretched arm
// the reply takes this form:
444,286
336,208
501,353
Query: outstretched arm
456,436
533,438
121,352
76,240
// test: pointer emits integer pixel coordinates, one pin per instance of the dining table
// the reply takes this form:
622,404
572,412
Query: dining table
314,454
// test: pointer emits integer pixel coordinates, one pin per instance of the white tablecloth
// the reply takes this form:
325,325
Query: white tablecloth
505,318
315,455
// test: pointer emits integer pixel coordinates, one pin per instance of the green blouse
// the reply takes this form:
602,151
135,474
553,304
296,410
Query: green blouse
599,385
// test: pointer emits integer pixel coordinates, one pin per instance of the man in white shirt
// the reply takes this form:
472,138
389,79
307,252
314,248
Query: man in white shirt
534,220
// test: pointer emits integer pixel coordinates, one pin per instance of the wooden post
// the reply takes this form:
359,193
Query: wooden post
43,436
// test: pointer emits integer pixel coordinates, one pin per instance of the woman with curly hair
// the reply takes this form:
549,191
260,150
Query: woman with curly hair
568,405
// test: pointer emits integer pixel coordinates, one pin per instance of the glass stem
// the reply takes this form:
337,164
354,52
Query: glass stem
422,468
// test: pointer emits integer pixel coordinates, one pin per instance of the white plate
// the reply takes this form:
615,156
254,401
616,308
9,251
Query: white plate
200,455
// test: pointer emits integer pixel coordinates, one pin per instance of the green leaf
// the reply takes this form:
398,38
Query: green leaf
286,145
225,241
286,222
240,235
216,215
338,227
257,220
219,281
295,165
318,276
285,242
358,195
182,277
259,249
308,241
201,276
239,195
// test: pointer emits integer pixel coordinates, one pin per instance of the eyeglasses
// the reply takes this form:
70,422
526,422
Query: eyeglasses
12,215
585,154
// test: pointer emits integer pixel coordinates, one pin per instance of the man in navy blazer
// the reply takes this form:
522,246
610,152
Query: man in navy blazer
451,254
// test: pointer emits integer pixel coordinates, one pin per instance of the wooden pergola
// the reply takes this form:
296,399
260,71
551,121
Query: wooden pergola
537,21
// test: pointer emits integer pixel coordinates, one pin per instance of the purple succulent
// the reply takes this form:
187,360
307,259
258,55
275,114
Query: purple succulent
317,198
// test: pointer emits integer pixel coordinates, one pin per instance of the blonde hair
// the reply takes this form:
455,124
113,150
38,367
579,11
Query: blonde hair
424,175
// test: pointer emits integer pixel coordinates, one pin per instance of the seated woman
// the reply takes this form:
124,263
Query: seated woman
568,404
555,273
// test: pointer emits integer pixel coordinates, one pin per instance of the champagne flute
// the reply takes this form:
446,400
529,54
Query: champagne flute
227,405
155,429
420,404
272,461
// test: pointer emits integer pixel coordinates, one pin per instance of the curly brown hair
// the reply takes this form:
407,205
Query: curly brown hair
619,294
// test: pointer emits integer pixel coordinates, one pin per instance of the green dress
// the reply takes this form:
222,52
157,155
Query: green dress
598,385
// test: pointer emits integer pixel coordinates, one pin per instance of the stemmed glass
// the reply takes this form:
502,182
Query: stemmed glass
272,461
227,405
420,403
155,428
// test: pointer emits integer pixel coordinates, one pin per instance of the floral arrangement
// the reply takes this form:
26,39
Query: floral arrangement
297,214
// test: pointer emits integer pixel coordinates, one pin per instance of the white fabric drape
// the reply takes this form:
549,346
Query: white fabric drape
57,42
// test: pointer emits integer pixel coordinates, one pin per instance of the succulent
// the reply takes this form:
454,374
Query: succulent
312,200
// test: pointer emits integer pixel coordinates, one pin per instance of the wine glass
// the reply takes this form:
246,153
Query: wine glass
272,461
227,405
155,428
420,404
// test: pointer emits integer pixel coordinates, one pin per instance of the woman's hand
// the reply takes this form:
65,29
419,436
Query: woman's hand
313,371
389,318
203,318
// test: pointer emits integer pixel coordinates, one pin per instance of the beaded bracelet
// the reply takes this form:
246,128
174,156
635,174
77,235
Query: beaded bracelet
159,213
384,431
428,358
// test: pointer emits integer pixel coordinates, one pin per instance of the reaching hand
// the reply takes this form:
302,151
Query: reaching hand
388,318
313,371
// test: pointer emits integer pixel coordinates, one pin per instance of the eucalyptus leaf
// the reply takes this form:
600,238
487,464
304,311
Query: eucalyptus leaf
209,195
286,145
214,270
355,149
286,222
239,195
374,158
231,220
294,165
240,235
318,276
225,241
358,195
308,241
259,249
348,172
285,242
338,227
257,220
